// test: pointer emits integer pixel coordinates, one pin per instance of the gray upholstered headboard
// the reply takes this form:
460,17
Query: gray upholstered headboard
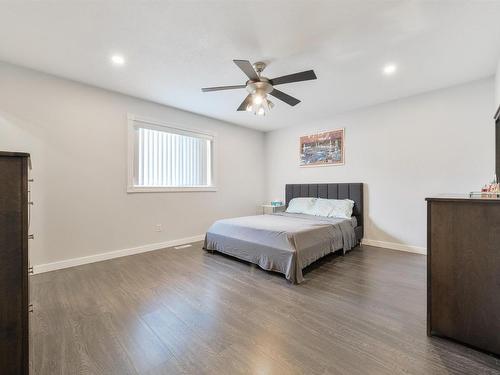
353,191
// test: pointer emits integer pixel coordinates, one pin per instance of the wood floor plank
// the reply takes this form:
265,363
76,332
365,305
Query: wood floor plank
186,311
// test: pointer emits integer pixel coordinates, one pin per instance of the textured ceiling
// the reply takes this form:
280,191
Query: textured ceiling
173,48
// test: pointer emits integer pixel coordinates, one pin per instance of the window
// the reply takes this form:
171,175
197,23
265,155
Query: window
168,158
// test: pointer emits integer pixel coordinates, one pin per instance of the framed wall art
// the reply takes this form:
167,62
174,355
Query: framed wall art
322,149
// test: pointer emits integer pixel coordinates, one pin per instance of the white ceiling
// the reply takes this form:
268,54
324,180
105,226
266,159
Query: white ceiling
173,48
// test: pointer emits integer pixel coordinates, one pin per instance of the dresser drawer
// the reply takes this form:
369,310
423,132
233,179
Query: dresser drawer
464,272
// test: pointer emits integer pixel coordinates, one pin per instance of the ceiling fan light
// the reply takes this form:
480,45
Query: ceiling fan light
257,99
259,87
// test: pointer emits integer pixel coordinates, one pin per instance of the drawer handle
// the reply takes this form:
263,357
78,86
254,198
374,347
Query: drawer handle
30,270
31,236
31,180
31,203
30,308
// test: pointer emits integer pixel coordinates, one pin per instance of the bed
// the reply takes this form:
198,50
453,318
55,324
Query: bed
286,242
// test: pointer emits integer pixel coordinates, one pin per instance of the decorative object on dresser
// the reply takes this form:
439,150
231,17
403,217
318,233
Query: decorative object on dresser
272,208
491,190
463,270
14,271
322,149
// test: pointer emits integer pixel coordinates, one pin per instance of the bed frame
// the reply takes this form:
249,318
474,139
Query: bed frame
353,191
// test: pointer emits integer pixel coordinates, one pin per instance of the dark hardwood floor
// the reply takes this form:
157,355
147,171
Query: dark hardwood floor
187,311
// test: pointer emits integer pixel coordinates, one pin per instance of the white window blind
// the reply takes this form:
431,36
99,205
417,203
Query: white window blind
171,158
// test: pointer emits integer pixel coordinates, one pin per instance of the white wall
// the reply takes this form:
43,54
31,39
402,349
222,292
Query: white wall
77,137
404,151
497,86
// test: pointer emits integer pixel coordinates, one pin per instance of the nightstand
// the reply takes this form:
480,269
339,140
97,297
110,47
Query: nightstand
268,209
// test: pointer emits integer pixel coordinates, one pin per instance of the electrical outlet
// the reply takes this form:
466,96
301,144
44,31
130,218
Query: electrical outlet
158,228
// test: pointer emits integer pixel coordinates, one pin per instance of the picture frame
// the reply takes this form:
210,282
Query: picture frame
324,149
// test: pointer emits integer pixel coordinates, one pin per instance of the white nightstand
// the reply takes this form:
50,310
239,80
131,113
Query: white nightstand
268,209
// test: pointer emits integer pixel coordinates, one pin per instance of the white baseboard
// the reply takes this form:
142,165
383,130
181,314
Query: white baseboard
113,254
395,246
40,268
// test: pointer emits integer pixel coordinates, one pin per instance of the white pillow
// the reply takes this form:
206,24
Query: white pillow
323,207
301,205
342,208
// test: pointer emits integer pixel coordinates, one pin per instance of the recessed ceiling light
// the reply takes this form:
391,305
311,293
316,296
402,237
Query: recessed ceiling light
390,69
117,59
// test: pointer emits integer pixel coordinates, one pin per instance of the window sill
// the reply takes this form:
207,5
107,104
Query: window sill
161,189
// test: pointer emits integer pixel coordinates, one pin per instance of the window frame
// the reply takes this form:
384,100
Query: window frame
131,157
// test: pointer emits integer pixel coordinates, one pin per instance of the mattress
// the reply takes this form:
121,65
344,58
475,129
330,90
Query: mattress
281,242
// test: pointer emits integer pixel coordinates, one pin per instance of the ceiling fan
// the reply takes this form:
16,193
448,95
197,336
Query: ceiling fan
259,87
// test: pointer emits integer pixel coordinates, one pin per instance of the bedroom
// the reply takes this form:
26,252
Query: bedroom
401,109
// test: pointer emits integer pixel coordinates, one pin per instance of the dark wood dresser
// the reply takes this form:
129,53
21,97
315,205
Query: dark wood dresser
463,271
14,288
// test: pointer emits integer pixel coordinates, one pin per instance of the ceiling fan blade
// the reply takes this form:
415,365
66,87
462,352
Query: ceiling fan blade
247,68
297,77
219,88
285,97
245,103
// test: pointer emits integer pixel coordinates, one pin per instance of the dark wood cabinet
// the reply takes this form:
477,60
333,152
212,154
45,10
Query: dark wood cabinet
463,271
14,289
